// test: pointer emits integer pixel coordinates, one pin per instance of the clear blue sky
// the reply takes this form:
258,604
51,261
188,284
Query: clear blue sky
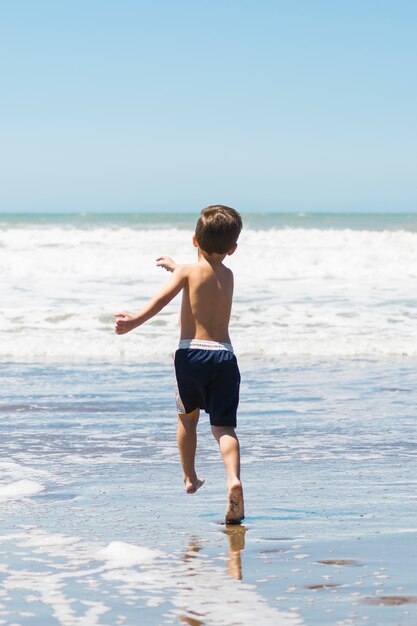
271,105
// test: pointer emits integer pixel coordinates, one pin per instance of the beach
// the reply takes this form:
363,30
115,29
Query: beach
95,526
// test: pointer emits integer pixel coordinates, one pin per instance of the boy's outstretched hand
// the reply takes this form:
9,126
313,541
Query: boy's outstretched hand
123,323
167,263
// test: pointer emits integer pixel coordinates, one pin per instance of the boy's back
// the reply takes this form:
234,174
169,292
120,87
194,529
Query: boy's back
206,301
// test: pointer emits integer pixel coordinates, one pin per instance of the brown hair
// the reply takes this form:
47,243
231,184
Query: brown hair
218,229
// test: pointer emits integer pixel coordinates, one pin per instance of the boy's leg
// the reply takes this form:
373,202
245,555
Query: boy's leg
187,445
229,448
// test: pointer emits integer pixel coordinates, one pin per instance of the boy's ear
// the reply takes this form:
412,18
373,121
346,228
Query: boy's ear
232,250
195,243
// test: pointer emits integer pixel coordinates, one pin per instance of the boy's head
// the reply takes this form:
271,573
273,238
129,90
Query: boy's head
218,229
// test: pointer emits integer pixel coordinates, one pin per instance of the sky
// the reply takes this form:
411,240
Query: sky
171,105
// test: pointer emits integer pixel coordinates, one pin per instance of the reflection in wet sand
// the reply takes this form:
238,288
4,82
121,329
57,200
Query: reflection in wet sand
273,551
207,595
236,537
236,540
185,619
193,549
322,586
348,562
190,554
390,600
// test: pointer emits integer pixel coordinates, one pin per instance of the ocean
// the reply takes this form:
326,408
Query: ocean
306,285
95,526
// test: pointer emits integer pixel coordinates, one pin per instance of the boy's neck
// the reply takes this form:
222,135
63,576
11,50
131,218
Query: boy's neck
214,258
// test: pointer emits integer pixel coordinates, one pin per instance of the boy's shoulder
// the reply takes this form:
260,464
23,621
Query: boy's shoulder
188,269
184,269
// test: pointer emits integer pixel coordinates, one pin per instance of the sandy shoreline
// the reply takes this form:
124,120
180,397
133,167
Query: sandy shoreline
105,534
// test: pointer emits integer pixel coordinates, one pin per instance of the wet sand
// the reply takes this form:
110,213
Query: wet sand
95,526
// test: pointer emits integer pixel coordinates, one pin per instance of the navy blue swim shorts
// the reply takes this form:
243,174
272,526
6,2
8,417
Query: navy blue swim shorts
208,378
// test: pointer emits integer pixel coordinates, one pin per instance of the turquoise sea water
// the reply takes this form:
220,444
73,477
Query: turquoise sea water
258,220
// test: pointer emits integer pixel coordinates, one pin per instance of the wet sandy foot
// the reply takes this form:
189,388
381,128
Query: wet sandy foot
235,507
192,486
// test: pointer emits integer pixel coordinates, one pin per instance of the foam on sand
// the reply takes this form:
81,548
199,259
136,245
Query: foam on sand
20,489
18,480
119,554
147,577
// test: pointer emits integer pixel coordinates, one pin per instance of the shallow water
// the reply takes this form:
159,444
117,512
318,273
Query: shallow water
95,527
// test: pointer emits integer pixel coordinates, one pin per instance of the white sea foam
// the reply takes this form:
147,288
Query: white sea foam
143,575
119,554
17,481
298,292
20,489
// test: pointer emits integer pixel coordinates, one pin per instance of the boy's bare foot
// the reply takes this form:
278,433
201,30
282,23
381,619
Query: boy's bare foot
191,486
235,512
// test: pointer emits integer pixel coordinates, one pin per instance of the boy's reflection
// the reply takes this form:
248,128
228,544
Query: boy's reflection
236,540
236,537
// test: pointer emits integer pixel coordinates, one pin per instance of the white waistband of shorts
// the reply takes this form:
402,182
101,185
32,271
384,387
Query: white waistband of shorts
202,344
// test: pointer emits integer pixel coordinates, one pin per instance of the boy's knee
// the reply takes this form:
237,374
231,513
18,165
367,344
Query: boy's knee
219,431
189,418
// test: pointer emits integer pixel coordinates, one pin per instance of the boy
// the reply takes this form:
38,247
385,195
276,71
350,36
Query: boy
205,366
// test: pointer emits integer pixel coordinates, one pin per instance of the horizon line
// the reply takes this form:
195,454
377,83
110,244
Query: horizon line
190,212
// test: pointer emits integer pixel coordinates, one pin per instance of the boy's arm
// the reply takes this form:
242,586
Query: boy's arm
124,323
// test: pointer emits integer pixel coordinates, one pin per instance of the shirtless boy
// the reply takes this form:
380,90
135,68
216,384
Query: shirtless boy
206,369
